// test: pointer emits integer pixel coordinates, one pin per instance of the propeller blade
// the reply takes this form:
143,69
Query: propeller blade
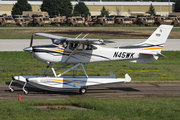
31,40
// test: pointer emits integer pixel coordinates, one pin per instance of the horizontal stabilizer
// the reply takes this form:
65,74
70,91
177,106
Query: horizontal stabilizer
154,54
161,55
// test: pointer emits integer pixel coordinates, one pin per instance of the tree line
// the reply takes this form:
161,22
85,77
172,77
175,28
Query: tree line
64,7
53,7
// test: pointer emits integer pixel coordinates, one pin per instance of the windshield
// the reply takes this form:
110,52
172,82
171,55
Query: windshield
127,19
167,18
26,19
79,19
45,19
109,19
61,42
149,19
8,18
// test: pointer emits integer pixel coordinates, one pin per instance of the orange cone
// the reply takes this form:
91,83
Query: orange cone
19,98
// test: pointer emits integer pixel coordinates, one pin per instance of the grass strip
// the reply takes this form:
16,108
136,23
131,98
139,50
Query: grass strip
141,109
94,32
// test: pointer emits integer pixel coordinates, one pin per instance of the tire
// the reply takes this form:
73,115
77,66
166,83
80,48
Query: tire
82,90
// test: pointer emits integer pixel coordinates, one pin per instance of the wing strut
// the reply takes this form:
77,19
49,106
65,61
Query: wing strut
72,68
45,74
85,36
78,36
73,52
54,71
84,70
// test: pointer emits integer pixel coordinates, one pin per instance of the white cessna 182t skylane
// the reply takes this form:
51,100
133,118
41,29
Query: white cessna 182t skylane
78,51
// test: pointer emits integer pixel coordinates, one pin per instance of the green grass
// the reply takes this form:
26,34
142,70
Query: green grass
164,69
125,109
95,32
17,34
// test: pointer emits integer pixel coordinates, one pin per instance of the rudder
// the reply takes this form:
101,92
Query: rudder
157,40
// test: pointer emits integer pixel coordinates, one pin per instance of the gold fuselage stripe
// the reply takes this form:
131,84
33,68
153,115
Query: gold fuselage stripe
151,48
63,81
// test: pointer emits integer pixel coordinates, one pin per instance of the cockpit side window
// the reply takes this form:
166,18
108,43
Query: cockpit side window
89,47
65,44
72,46
81,47
61,43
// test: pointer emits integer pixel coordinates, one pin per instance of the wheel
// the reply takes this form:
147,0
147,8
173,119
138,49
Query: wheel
12,90
82,91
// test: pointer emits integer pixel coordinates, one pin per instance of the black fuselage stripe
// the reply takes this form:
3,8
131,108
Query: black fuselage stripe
51,52
134,47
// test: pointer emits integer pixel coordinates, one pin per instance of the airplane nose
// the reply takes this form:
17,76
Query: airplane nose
28,49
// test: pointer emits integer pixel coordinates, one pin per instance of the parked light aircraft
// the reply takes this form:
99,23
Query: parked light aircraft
78,51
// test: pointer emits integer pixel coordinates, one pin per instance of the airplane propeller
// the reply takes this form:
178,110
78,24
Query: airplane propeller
29,49
31,40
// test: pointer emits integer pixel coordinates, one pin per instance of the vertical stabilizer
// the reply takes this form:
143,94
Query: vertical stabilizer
150,50
157,40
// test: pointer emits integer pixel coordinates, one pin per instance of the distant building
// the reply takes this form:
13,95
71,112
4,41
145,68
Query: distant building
115,8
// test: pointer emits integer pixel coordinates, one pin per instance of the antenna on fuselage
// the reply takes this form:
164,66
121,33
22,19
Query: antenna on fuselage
120,45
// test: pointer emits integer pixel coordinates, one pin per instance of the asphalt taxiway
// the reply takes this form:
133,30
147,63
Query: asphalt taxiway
130,91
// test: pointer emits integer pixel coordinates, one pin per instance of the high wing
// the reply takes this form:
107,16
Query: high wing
55,37
82,40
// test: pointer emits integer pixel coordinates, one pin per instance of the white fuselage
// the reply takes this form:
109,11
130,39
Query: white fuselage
56,54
